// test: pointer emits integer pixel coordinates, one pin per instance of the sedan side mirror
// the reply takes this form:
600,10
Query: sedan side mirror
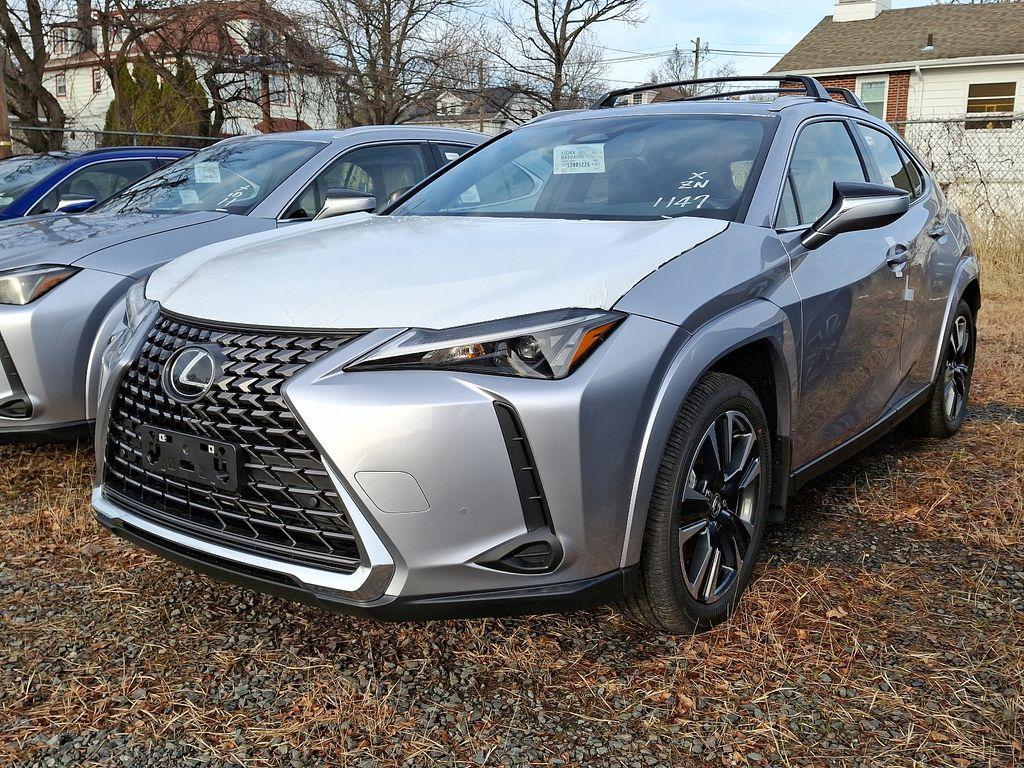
75,203
339,201
856,206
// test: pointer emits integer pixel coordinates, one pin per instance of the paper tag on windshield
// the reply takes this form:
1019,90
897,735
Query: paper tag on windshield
207,173
579,158
188,196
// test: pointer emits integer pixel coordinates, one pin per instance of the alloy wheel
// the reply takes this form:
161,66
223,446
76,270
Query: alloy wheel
958,368
717,506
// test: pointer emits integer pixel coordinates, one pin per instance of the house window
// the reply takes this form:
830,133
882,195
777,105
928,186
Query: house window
638,98
60,41
872,93
97,80
986,98
61,84
279,91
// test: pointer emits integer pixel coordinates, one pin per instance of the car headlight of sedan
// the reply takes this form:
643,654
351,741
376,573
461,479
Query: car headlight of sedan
549,345
25,285
136,305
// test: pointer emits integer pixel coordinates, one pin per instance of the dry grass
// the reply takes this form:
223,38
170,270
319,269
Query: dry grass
885,628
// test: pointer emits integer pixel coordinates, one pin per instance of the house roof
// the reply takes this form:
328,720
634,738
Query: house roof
897,36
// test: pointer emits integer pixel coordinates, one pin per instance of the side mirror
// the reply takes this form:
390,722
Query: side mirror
75,203
856,206
339,201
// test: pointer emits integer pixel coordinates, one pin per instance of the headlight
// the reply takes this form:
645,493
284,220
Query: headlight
21,286
550,345
136,304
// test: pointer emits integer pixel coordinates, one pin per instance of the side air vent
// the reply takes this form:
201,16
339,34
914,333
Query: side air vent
531,493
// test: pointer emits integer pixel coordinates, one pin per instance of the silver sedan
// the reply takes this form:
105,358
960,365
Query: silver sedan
63,277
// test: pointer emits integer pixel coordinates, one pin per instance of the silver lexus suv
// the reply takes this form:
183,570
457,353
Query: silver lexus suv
583,364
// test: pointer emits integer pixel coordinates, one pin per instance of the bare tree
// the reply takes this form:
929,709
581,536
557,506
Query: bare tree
547,47
394,53
24,29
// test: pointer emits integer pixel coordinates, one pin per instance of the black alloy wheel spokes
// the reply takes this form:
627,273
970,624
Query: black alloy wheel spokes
717,506
958,368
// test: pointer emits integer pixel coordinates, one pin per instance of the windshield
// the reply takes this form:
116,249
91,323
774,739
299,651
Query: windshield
233,177
20,173
650,167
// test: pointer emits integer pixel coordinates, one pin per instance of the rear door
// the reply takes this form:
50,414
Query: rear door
851,305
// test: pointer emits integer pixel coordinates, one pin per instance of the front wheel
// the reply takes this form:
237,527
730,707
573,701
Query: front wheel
708,511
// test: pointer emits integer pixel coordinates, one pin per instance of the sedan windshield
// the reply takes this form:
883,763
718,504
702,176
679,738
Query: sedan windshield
651,167
20,173
233,177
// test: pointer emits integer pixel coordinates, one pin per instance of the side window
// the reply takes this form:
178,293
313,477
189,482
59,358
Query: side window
824,154
913,172
160,162
98,181
379,171
788,211
887,158
451,152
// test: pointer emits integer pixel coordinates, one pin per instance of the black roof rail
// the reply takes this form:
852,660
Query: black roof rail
786,83
850,96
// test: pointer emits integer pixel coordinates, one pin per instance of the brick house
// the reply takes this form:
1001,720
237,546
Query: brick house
925,62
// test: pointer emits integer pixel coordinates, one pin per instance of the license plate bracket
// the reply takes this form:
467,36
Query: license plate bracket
190,458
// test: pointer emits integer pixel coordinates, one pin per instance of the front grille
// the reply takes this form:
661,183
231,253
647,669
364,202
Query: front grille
285,505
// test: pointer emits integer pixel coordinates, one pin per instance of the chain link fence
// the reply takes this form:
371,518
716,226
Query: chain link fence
75,138
978,160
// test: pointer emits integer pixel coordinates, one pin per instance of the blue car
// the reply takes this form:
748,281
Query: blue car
72,182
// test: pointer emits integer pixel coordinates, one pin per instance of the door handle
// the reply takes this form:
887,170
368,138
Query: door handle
897,258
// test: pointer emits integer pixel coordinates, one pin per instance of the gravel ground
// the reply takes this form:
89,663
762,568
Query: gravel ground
884,628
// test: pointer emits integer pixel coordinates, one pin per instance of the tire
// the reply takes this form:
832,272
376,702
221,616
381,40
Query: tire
725,511
937,418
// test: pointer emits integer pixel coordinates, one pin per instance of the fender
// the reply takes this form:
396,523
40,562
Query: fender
967,271
757,320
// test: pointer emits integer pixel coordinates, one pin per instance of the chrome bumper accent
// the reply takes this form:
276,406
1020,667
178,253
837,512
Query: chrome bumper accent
365,584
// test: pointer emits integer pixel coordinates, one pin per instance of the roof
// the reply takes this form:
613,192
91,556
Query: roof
897,37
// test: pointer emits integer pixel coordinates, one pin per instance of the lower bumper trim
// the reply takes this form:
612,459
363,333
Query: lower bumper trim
558,598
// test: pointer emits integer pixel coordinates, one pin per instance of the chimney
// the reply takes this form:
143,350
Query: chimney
859,10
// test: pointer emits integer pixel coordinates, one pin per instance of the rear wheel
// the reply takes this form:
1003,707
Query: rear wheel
943,414
708,512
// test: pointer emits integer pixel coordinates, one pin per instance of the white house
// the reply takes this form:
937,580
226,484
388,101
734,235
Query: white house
294,99
926,62
490,110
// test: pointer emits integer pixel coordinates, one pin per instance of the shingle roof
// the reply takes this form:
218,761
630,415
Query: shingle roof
959,31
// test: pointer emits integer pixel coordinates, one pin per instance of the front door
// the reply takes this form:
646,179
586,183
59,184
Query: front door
851,305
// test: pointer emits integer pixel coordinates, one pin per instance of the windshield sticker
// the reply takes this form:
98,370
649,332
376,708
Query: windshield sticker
207,173
698,180
696,202
188,196
579,158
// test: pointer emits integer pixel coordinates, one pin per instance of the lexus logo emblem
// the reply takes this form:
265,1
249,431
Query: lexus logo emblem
190,373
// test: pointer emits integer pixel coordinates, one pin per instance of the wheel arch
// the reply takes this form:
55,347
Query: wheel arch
754,342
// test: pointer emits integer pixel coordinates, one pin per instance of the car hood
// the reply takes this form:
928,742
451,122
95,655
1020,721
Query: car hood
60,239
429,272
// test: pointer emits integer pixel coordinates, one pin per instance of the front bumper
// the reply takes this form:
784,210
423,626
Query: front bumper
422,463
275,580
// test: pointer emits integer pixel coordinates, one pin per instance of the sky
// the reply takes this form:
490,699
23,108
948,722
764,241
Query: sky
763,30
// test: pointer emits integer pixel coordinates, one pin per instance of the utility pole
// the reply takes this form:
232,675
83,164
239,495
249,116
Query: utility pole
480,91
6,145
696,58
